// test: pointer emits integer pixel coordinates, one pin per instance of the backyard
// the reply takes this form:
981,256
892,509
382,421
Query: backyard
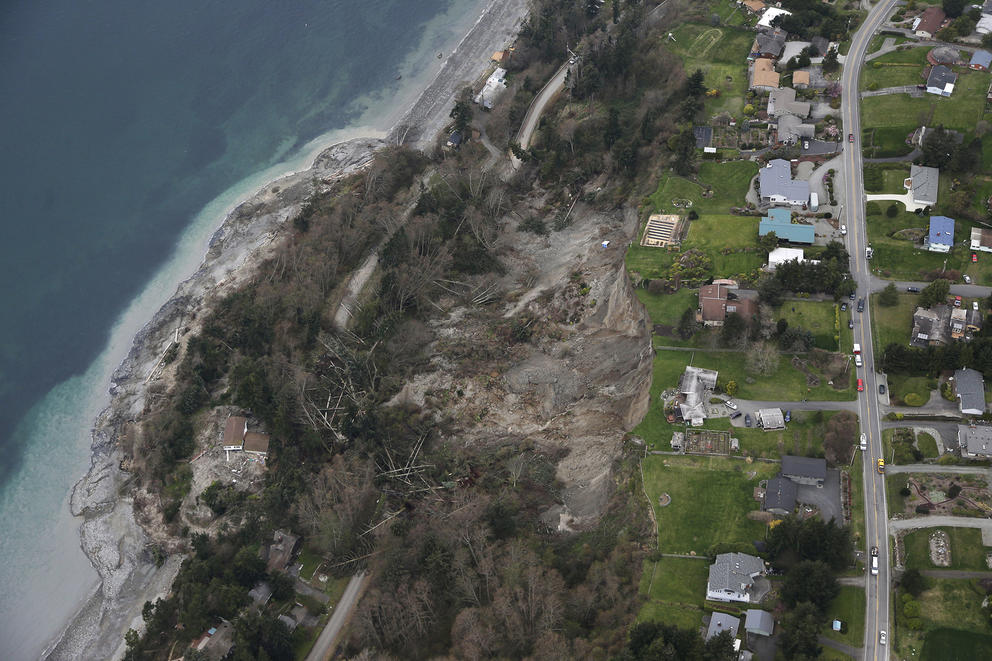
821,318
961,111
848,607
721,53
674,590
952,624
898,251
967,550
893,325
895,69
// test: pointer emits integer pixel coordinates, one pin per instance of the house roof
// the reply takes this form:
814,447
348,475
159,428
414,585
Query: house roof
712,302
770,43
941,230
942,78
800,77
970,389
791,129
782,255
804,467
770,14
977,439
780,222
256,442
924,181
982,58
720,622
776,179
733,571
759,621
981,237
771,418
764,74
234,430
693,385
783,101
931,20
929,326
756,5
821,44
780,494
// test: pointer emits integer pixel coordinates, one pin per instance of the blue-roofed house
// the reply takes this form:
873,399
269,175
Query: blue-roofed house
780,222
941,237
981,60
778,187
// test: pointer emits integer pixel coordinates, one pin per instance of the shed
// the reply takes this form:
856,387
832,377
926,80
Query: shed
800,79
771,419
981,60
759,622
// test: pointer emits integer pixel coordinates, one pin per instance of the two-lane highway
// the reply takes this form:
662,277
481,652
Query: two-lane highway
876,514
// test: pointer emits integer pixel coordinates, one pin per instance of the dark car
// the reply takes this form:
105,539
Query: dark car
874,551
861,305
881,389
843,307
747,420
788,416
913,290
735,415
850,323
853,295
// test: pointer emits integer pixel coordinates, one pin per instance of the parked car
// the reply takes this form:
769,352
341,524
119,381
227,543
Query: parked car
967,279
734,416
913,290
747,420
974,306
861,305
850,323
730,405
843,230
881,389
861,385
843,307
957,301
788,416
853,295
850,137
974,257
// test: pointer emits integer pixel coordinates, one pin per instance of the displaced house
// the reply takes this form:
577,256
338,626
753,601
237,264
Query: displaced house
718,300
969,388
981,240
783,102
768,45
215,643
770,15
975,441
980,61
256,443
662,230
732,577
763,75
927,24
941,235
792,130
778,187
720,622
780,222
260,594
769,419
695,386
930,326
922,183
495,85
780,496
234,433
804,470
759,622
800,79
280,551
959,321
500,57
941,81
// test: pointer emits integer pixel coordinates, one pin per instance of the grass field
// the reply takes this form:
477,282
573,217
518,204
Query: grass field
895,69
668,366
715,234
721,54
903,259
947,644
961,111
927,445
819,318
967,551
667,309
885,141
895,324
886,178
901,385
857,497
711,497
849,608
729,182
803,436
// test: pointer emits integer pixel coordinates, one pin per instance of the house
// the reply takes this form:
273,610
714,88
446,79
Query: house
256,443
929,22
980,61
930,326
234,433
923,183
281,550
941,235
716,301
500,57
941,81
753,6
768,45
791,130
770,419
783,102
959,320
694,387
720,622
975,441
780,496
780,222
662,230
984,25
454,140
763,75
804,470
778,187
215,642
981,240
495,85
732,577
800,79
783,255
759,622
770,15
969,388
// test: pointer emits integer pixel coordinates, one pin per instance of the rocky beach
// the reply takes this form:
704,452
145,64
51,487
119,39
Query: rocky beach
118,547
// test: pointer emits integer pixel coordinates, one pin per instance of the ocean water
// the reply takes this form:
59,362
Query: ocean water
127,129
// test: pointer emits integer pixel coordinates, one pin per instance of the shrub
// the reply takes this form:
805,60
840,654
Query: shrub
892,211
913,399
953,491
922,509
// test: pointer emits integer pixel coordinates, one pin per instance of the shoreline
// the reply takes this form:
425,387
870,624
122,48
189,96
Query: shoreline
110,535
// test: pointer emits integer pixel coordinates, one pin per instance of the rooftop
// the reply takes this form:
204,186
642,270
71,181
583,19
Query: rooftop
942,78
804,467
759,621
734,571
720,622
772,13
982,58
780,221
976,439
775,180
800,77
941,230
771,418
765,74
969,386
234,430
923,182
780,494
931,20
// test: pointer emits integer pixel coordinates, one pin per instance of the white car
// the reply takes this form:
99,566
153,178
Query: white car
881,637
730,405
864,442
967,279
974,306
843,230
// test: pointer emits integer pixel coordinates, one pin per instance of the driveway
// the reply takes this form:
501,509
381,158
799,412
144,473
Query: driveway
905,198
965,291
328,638
911,90
985,525
825,498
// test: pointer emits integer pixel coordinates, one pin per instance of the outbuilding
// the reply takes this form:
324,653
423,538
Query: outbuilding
759,622
980,61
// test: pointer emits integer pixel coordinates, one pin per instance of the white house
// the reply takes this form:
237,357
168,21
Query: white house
494,86
770,14
732,577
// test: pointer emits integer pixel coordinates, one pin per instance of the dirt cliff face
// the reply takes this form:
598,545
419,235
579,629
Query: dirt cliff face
563,362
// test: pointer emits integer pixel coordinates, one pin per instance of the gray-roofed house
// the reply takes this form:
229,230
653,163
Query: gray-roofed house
782,101
804,470
778,187
770,419
922,183
941,81
732,577
981,60
969,388
759,622
780,496
720,622
930,326
768,44
791,130
975,441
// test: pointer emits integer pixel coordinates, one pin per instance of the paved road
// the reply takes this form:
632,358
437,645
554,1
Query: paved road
954,573
934,468
328,639
966,291
940,521
876,514
853,652
537,106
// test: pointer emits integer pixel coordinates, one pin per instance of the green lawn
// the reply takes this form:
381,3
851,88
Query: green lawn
893,483
886,178
728,183
818,317
895,69
803,436
961,111
711,497
675,581
893,325
857,497
900,258
668,367
967,551
946,644
902,386
927,445
667,309
718,235
721,54
952,602
885,141
849,608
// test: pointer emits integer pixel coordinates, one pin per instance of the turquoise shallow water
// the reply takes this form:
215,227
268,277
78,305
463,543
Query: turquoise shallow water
125,124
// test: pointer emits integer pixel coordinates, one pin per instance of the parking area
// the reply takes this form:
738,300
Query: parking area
825,498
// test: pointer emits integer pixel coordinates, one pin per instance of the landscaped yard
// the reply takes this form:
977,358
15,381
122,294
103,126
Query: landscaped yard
721,53
803,436
710,500
886,178
722,237
674,590
961,111
893,325
910,390
967,551
728,182
849,608
905,67
818,317
898,254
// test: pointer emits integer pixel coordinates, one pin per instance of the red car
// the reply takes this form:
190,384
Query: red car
850,137
861,385
974,257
